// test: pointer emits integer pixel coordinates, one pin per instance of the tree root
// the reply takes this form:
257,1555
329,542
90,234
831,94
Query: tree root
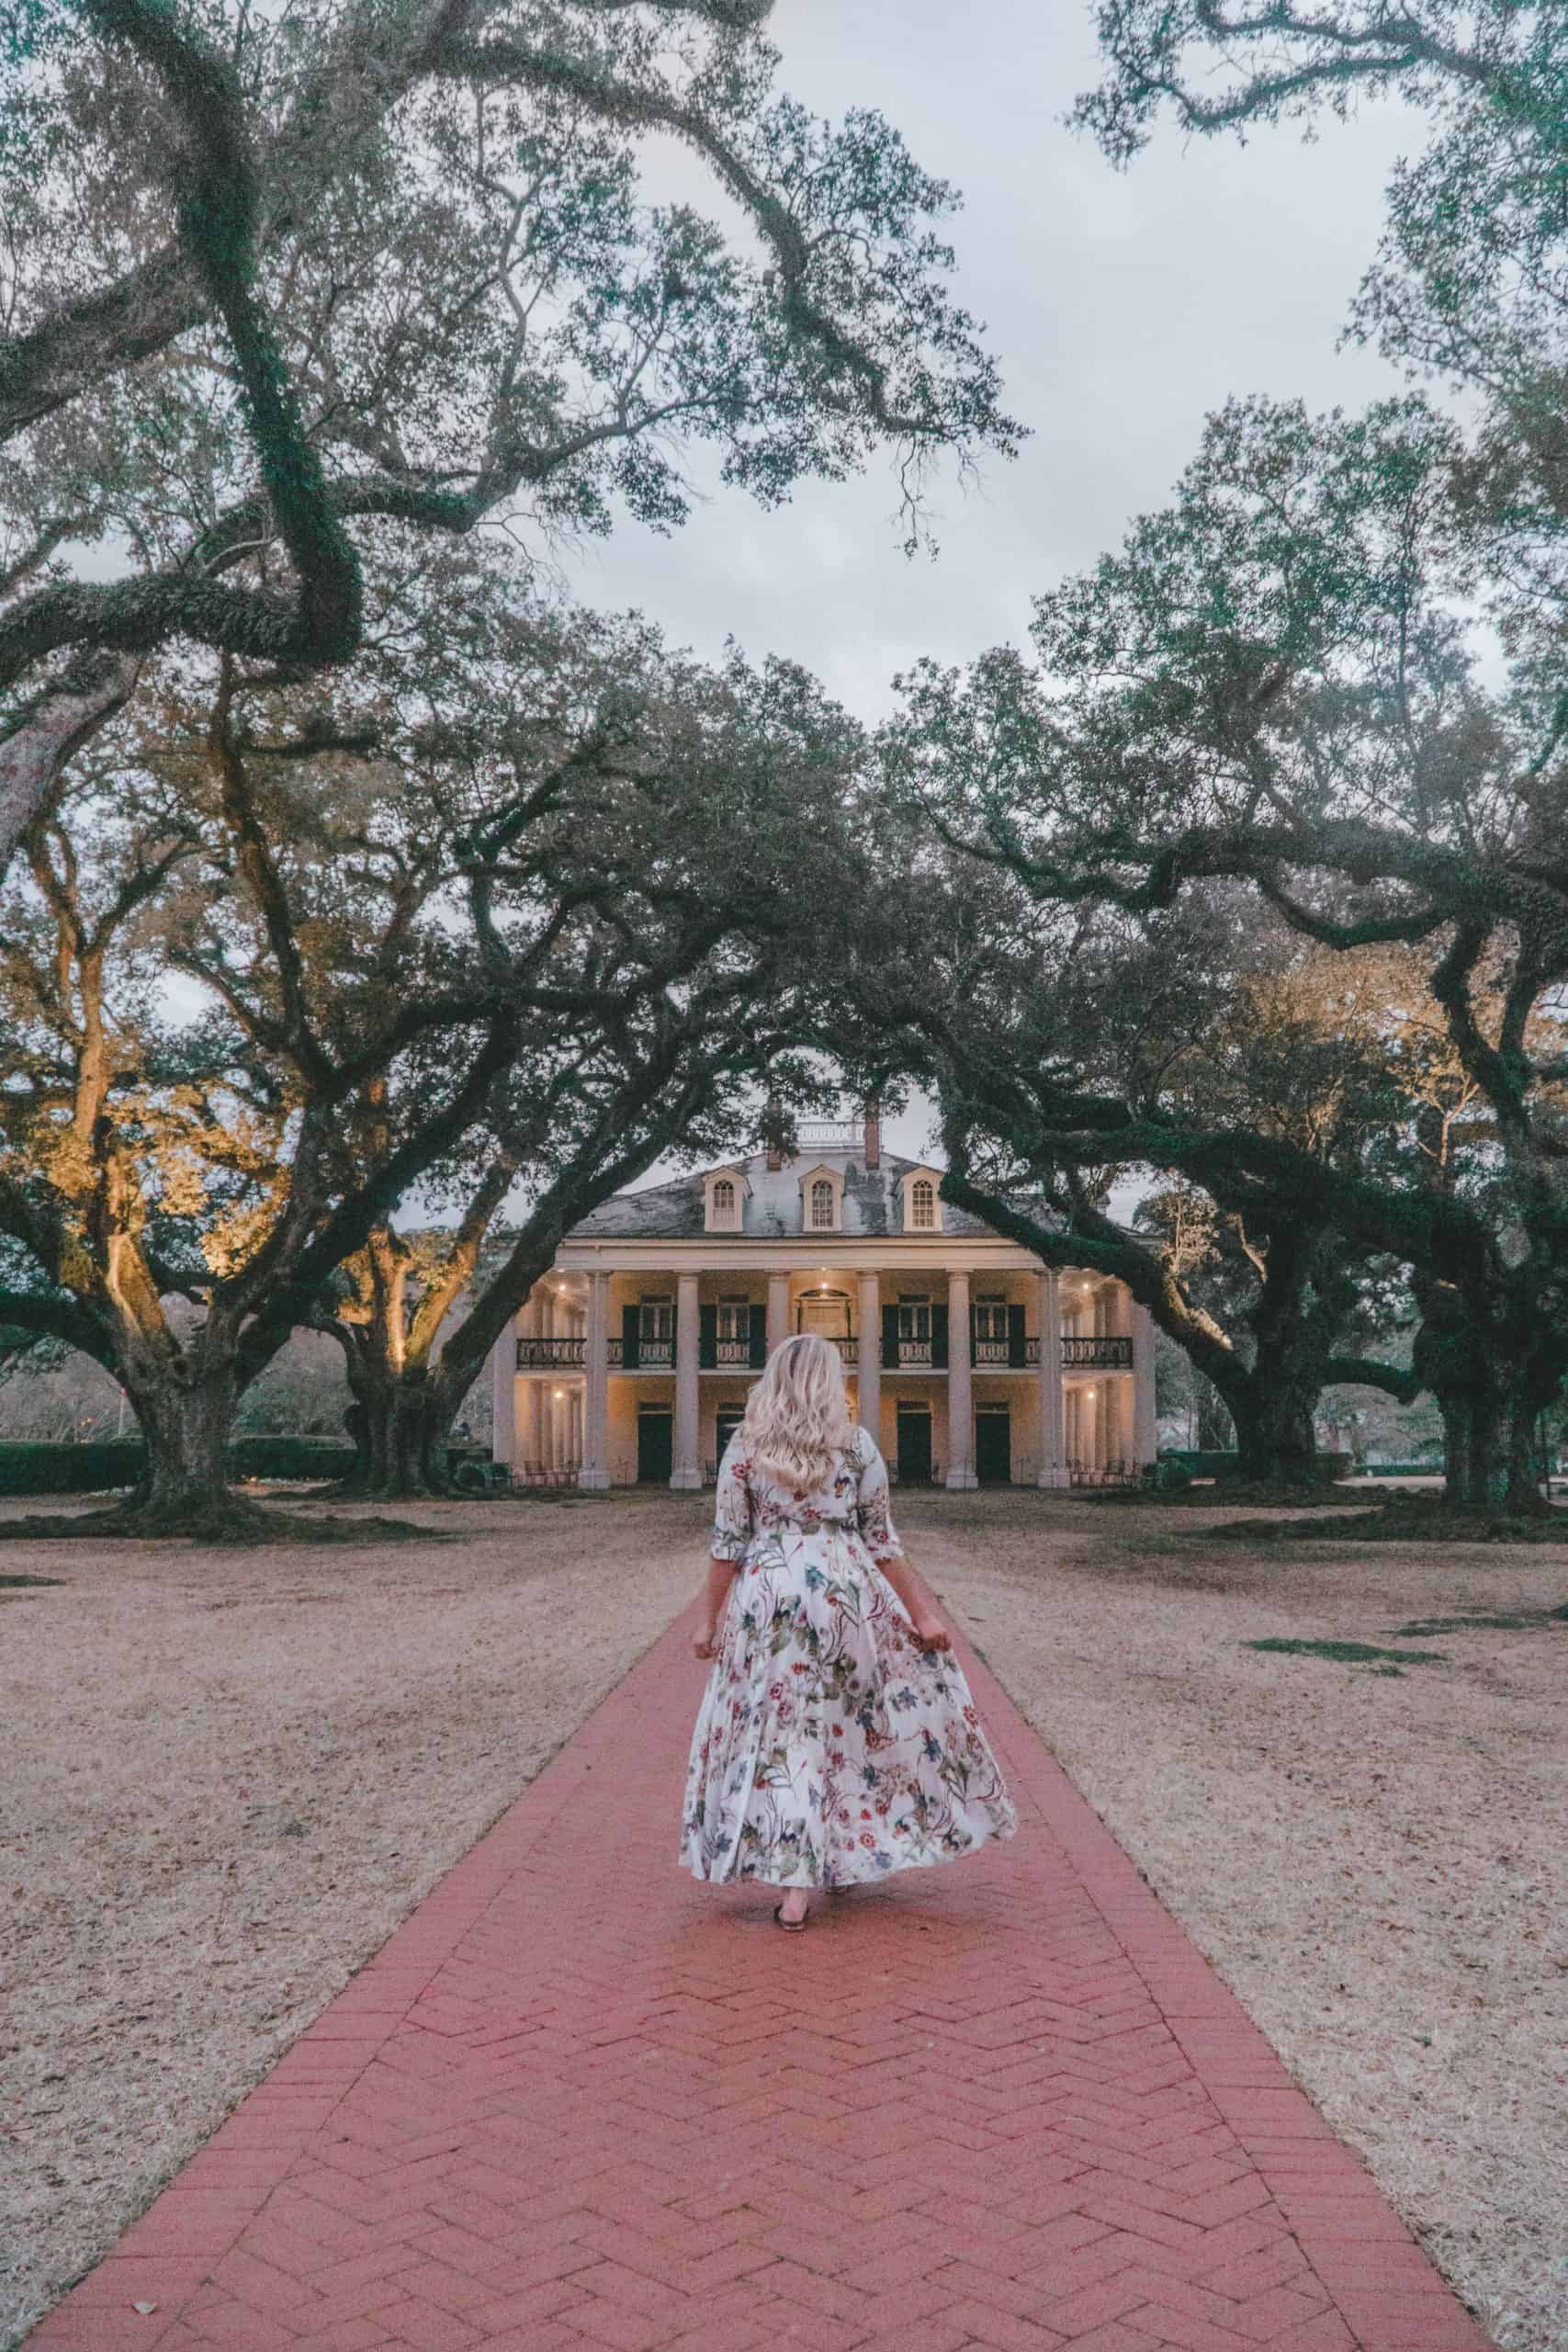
1412,1521
235,1524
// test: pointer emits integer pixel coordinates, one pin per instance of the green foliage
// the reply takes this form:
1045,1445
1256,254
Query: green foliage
232,195
1197,1463
94,1468
1349,1653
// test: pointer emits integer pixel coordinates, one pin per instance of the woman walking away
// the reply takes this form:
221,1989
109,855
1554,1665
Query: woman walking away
836,1740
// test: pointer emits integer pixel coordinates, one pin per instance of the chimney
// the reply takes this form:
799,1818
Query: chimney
872,1128
773,1121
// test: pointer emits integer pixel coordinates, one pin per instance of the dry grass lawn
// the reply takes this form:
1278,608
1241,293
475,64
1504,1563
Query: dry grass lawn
228,1775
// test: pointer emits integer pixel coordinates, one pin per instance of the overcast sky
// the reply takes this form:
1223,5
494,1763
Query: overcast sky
1123,308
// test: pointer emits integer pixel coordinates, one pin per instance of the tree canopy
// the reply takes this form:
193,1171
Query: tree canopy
277,281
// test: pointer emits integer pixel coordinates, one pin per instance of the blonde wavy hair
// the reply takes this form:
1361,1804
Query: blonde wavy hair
797,1423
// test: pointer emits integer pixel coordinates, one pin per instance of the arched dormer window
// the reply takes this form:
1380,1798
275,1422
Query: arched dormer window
922,1190
821,1199
727,1190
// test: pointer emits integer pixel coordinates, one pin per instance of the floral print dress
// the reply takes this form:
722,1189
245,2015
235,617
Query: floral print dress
830,1748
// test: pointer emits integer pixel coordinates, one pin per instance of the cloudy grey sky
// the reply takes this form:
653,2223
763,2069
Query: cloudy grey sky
1123,308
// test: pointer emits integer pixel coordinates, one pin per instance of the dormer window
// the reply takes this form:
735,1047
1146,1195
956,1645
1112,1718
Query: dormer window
727,1190
922,1200
822,1199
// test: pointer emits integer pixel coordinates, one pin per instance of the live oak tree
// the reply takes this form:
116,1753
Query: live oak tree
1469,282
1018,1015
739,834
273,280
418,918
1277,682
164,1181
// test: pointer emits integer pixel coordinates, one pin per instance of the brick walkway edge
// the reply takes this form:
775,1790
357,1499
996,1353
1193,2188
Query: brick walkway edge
577,2101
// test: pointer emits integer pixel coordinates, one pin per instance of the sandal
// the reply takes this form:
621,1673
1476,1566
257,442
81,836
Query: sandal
790,1926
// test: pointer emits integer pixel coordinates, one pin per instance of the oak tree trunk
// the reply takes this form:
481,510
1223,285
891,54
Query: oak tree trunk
1492,1380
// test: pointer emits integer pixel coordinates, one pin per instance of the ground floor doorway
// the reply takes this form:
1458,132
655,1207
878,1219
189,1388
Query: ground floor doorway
654,1445
727,1421
993,1445
914,1444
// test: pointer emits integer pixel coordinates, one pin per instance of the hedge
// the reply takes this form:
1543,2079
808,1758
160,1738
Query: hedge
90,1468
1221,1465
1197,1463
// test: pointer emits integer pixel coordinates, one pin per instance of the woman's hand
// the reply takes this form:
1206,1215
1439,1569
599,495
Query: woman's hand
930,1632
704,1642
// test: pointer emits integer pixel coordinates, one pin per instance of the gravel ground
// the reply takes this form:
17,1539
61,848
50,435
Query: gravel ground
228,1775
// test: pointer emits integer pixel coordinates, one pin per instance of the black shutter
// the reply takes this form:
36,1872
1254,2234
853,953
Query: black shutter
708,1337
890,1337
1018,1352
631,1338
939,1339
758,1338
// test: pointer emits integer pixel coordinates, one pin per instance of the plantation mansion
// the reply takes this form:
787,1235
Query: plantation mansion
969,1361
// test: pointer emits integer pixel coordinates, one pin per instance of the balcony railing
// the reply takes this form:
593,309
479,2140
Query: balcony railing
552,1355
1096,1355
1099,1354
829,1134
996,1355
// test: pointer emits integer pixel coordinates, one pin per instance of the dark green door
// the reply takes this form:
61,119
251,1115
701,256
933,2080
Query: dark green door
914,1446
993,1445
654,1445
727,1421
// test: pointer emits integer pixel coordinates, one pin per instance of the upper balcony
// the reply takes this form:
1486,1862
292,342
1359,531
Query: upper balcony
1101,1354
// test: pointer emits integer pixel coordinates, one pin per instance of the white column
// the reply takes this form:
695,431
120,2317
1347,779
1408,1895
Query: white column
533,1412
503,1397
778,1310
1121,1407
960,1393
1146,1442
595,1471
686,1469
1054,1469
549,1328
868,1355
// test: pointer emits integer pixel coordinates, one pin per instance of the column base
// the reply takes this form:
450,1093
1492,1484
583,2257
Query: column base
593,1482
960,1481
685,1482
1056,1478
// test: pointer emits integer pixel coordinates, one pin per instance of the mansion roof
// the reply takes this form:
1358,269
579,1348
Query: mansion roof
773,1208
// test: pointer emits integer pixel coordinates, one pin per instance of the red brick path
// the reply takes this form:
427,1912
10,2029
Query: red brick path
579,2101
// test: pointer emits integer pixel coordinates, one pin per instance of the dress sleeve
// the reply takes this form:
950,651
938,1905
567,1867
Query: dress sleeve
873,1515
732,1507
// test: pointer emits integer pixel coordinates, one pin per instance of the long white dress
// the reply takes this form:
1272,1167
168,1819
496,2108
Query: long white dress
830,1747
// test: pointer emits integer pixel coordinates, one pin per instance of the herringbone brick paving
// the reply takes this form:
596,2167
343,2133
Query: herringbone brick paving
579,2101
